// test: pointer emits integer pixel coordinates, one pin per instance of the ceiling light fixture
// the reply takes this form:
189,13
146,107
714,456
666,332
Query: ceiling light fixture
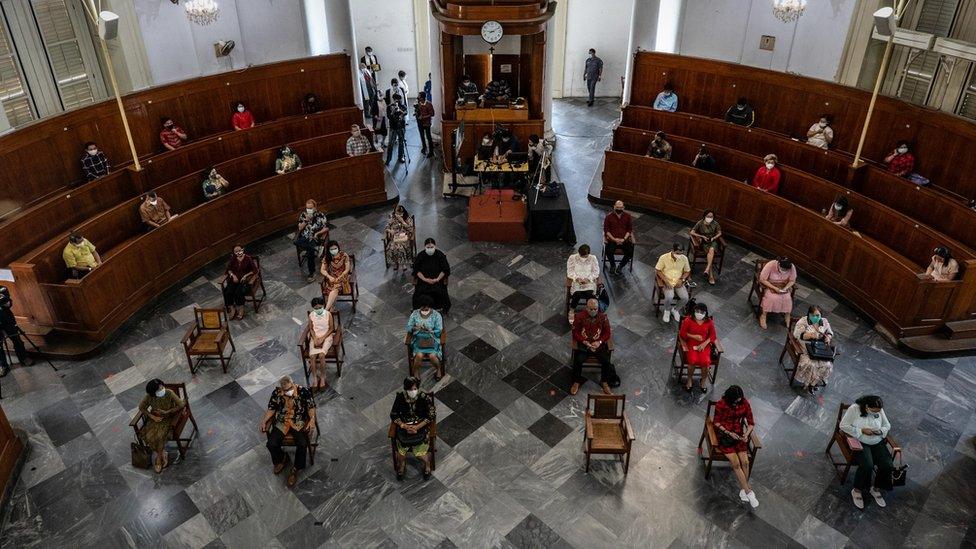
202,12
788,11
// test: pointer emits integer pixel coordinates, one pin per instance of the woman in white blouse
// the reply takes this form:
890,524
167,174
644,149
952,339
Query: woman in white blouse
582,272
821,134
867,423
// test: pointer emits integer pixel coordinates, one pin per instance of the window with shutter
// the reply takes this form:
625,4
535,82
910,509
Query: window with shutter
64,52
13,96
919,70
967,104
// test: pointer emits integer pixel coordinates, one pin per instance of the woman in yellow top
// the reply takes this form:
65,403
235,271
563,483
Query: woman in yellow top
80,256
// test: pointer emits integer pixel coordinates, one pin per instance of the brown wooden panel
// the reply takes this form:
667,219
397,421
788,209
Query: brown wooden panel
478,67
789,104
44,157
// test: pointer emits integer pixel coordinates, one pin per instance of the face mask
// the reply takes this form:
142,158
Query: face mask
239,254
700,316
161,393
286,152
168,126
770,165
709,219
93,152
675,255
838,207
240,108
309,211
814,319
425,312
320,312
412,393
667,94
902,150
357,133
153,202
592,313
823,124
619,210
76,242
333,251
290,392
740,107
430,251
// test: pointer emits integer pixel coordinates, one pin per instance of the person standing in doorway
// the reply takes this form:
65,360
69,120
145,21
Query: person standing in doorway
592,73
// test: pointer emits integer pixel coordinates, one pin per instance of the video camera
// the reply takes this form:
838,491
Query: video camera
6,302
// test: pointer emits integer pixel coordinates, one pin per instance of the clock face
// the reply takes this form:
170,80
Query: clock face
492,32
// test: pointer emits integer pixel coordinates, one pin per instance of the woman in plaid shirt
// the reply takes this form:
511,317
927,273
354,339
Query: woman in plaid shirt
734,425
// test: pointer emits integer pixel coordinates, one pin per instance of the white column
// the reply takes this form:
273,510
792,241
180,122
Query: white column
342,37
549,75
436,70
631,46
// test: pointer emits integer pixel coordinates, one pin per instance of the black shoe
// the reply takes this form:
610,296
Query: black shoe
423,152
399,475
426,475
402,160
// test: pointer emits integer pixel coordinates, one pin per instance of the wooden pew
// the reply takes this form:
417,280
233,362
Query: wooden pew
940,211
874,278
184,245
789,104
43,158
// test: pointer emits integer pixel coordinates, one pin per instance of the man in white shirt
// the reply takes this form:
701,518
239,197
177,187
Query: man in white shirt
404,89
582,271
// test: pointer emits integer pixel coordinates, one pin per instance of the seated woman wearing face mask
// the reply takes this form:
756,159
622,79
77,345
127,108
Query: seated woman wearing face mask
160,405
821,134
413,413
287,161
425,326
336,267
431,269
313,229
840,212
697,332
320,334
943,267
768,175
242,119
812,327
214,184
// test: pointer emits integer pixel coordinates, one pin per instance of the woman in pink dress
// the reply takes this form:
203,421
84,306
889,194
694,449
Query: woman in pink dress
777,278
320,336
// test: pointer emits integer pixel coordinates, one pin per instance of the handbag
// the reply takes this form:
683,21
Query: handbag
899,473
819,350
141,456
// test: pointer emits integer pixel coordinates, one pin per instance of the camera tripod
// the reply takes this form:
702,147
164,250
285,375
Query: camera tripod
4,349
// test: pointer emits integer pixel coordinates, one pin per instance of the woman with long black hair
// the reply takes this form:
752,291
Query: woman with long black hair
866,422
734,425
840,212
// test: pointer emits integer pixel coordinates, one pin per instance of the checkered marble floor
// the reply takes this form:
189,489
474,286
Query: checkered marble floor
509,462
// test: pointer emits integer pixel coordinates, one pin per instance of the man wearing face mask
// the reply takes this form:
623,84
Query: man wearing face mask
901,161
618,233
431,270
94,163
159,406
821,134
673,271
425,115
287,161
667,100
80,256
291,411
241,271
172,137
659,147
154,211
413,413
371,62
357,144
592,73
591,332
313,229
768,175
214,184
396,115
741,113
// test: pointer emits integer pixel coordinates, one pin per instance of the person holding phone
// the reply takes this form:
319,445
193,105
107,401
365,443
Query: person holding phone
867,423
733,426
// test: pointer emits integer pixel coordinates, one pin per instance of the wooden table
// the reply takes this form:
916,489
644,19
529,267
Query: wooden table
495,217
492,114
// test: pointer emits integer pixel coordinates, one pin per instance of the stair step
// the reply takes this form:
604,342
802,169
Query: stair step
961,329
938,345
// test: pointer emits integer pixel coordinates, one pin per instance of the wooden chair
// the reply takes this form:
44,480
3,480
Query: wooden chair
608,430
413,242
613,250
409,340
848,454
336,355
698,254
303,255
590,361
414,280
657,294
569,294
177,422
431,443
679,362
256,292
208,338
709,439
313,441
758,290
794,348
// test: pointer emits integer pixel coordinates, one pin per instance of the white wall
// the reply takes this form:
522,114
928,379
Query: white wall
388,26
604,25
730,30
177,49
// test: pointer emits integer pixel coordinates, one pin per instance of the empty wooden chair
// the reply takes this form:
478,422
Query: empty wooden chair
612,249
208,339
608,430
178,422
848,454
708,443
698,254
256,292
679,364
336,355
391,432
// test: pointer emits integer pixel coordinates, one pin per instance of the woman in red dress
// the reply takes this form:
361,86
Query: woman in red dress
733,427
698,335
242,118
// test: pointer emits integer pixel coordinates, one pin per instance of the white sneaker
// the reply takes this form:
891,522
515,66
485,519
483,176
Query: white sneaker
743,496
675,313
667,316
858,499
878,497
752,500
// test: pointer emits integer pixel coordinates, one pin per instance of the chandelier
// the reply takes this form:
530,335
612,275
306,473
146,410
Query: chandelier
788,11
201,12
